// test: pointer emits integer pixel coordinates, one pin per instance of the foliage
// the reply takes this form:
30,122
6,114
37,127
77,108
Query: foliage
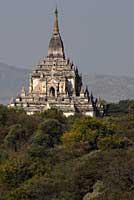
54,114
16,135
88,131
14,172
124,106
3,155
49,157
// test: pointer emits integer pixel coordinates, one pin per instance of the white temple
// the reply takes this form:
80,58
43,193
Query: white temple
56,83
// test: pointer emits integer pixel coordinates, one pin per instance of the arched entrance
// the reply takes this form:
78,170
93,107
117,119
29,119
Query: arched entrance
52,92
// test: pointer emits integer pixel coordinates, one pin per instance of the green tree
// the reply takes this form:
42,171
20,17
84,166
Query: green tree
87,131
15,137
48,133
14,172
54,114
3,114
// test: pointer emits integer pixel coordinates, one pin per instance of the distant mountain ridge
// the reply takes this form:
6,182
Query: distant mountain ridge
11,81
109,87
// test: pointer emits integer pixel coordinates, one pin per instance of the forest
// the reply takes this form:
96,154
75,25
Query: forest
49,157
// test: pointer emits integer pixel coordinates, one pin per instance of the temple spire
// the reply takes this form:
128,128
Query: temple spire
56,47
56,25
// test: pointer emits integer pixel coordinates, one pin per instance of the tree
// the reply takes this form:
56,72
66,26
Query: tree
113,141
54,114
15,137
3,114
48,133
14,172
87,131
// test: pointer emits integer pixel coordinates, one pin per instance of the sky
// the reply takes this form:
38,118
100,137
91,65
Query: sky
98,35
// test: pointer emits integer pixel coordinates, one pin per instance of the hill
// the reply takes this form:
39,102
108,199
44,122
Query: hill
11,81
110,88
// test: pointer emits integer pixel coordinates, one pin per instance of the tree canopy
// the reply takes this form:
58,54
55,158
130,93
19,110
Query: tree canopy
50,157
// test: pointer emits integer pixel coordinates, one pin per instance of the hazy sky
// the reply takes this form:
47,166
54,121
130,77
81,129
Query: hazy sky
98,35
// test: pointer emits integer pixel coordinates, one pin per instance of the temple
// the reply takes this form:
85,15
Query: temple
56,83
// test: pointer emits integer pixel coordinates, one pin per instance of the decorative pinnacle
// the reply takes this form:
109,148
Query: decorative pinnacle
56,26
56,11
